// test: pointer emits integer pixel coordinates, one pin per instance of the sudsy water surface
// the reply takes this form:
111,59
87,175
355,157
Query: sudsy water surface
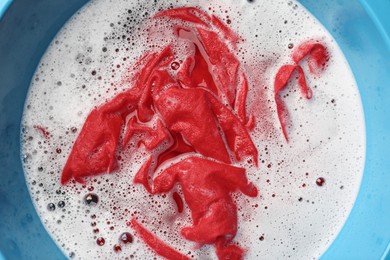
307,186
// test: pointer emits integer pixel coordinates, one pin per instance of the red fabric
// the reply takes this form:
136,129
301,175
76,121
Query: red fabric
317,56
94,151
159,246
187,112
177,148
206,186
152,137
178,201
225,64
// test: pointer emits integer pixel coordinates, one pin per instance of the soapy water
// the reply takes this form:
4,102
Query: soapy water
307,186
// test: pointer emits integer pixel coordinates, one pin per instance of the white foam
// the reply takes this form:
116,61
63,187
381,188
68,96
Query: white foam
327,137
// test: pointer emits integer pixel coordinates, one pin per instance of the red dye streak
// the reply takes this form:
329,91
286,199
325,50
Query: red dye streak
178,201
43,130
197,110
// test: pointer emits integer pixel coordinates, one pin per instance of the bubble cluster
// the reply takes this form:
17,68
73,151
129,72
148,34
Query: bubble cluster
307,185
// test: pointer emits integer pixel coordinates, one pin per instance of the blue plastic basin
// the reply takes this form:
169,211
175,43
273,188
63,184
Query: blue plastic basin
362,31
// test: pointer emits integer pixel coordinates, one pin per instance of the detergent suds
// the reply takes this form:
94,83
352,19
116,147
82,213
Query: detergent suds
187,130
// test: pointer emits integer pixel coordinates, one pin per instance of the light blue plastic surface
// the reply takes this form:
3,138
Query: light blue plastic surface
379,11
362,31
3,7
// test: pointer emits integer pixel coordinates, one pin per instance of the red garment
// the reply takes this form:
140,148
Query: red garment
207,188
317,57
197,104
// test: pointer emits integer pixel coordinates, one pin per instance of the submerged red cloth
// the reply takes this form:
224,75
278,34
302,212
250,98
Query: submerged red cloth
317,57
194,101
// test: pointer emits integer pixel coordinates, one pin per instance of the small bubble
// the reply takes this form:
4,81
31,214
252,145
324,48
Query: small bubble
126,237
61,204
290,45
51,206
100,241
261,238
91,199
320,181
117,248
175,65
26,158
